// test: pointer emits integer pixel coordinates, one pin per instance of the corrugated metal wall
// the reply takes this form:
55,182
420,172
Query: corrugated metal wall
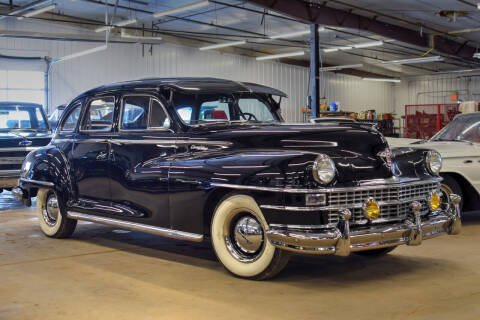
435,89
126,62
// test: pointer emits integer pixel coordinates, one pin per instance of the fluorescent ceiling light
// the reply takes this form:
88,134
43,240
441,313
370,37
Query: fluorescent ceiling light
476,55
133,36
330,50
456,71
82,53
356,46
191,6
294,34
38,11
415,60
116,24
349,66
104,28
223,45
382,79
125,22
281,55
368,44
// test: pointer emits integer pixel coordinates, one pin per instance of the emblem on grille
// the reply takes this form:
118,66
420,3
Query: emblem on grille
25,143
386,156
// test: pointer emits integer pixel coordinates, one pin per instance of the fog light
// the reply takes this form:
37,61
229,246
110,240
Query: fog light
435,201
371,209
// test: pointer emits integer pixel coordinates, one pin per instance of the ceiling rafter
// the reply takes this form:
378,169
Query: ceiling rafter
301,10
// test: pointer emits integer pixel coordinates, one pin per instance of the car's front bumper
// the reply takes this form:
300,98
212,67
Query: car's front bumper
340,240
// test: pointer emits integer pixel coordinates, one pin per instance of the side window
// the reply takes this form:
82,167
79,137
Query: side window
158,117
185,113
142,112
40,119
99,115
135,112
71,120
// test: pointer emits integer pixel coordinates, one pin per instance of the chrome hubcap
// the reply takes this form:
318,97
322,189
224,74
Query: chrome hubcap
245,240
50,210
248,235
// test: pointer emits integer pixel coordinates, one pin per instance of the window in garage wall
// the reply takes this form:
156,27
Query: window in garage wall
22,86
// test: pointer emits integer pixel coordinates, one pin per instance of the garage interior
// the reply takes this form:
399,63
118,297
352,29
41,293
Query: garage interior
408,66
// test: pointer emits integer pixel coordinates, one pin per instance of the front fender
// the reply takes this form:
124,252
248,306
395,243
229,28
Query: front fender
46,167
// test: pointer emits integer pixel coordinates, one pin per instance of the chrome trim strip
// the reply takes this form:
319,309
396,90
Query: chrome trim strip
39,182
11,160
19,149
159,231
8,172
320,190
149,141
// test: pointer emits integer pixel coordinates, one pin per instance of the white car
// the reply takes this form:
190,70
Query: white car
459,145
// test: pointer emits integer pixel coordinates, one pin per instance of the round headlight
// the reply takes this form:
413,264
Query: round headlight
323,169
433,162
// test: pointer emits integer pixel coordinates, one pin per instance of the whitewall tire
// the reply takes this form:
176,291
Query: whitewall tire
238,238
52,215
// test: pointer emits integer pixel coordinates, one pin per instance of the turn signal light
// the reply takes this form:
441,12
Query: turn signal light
435,201
371,209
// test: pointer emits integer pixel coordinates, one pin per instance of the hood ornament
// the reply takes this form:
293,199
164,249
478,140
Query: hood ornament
386,155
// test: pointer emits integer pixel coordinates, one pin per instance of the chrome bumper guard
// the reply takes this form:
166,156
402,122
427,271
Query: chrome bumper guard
18,194
341,241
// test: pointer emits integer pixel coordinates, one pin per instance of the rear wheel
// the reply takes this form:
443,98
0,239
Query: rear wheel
53,216
239,240
376,252
450,186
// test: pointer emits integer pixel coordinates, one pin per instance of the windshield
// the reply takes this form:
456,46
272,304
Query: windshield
226,108
462,128
22,117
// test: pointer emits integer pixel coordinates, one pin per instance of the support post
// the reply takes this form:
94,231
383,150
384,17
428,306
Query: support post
314,71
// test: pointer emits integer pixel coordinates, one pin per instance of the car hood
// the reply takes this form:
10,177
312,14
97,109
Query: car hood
355,149
448,149
451,149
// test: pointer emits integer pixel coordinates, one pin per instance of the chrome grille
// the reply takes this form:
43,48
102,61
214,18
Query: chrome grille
394,201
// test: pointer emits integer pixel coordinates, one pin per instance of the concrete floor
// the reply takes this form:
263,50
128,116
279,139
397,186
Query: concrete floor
105,273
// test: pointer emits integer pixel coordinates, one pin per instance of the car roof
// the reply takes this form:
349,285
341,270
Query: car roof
469,114
25,104
188,84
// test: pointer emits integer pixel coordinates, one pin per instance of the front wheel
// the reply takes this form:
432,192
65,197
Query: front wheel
450,186
238,238
52,215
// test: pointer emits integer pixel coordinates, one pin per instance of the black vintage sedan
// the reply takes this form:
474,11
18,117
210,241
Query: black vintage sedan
23,128
197,158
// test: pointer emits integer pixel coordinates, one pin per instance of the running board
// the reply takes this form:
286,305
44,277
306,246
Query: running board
158,231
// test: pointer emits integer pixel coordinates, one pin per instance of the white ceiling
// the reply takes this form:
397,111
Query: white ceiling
218,23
